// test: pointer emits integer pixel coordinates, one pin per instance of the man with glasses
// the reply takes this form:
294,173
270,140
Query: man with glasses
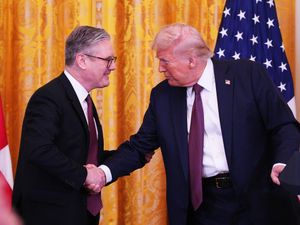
62,133
109,59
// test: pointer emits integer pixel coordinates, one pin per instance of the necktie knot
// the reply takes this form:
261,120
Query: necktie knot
89,109
88,99
197,89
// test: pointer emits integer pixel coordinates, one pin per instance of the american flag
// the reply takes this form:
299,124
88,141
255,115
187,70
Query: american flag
249,29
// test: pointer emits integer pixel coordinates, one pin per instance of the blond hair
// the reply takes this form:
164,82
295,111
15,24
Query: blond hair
183,38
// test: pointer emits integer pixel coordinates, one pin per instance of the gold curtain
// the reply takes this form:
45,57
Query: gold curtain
32,53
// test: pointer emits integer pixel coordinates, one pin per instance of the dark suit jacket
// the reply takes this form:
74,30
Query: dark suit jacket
257,126
50,174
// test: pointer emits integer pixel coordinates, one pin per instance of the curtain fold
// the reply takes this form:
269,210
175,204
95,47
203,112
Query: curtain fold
32,40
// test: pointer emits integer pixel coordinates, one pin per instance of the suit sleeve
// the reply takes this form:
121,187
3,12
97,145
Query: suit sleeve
131,154
108,153
277,117
41,128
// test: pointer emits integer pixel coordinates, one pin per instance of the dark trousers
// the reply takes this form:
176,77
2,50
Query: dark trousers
219,207
285,208
92,220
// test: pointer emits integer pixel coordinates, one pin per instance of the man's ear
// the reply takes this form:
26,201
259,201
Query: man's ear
192,62
80,60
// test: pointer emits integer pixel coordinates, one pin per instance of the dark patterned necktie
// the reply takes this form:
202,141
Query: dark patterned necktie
196,137
94,203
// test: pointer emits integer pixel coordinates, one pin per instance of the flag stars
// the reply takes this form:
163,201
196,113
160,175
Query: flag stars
252,58
254,34
283,66
268,43
226,12
256,19
270,23
254,40
268,63
223,32
239,35
242,15
236,56
220,53
282,87
282,47
271,3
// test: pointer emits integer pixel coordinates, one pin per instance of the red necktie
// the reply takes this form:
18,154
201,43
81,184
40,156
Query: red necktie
196,137
94,203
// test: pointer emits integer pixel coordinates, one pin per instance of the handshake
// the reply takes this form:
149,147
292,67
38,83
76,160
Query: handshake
95,179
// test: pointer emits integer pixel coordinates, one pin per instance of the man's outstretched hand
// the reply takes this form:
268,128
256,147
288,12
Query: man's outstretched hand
95,179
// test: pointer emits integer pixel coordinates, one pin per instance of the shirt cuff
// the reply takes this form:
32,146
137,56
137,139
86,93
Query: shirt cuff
282,164
107,172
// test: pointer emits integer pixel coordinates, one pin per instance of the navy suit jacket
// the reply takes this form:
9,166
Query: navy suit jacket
257,126
54,145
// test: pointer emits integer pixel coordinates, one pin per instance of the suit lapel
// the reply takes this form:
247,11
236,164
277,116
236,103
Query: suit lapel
179,120
77,107
74,101
224,86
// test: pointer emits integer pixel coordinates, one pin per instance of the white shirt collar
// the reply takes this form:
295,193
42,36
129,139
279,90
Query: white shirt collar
207,78
78,88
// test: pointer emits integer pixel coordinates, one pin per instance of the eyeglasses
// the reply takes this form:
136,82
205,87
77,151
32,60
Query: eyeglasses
109,59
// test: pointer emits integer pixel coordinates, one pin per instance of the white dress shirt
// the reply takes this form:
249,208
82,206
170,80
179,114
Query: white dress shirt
80,92
81,95
214,159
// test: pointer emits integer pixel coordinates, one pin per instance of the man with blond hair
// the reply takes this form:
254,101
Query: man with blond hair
224,132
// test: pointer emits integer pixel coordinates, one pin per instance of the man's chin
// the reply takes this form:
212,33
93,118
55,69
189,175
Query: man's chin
104,84
173,83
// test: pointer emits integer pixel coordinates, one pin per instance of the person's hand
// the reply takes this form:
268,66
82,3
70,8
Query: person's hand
95,179
149,156
9,217
276,170
299,198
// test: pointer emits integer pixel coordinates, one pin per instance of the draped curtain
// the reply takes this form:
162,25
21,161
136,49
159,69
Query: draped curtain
32,53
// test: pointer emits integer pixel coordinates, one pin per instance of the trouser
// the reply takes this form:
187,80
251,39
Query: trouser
92,220
220,205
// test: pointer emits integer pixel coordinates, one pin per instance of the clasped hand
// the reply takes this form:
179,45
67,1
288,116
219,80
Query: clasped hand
95,179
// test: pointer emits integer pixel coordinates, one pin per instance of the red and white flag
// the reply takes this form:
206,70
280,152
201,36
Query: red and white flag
6,176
